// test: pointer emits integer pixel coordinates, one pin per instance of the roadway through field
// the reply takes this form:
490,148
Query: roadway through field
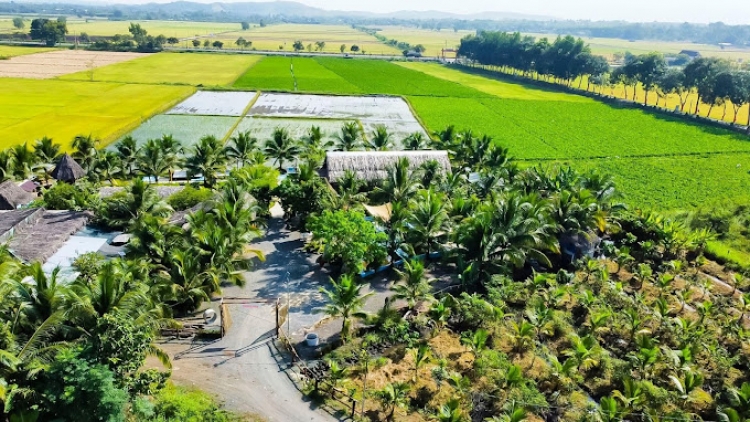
246,370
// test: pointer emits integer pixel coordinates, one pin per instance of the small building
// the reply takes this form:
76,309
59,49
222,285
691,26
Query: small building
67,170
12,196
373,165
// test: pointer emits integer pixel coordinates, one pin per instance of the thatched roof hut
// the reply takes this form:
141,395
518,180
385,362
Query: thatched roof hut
67,170
12,196
372,165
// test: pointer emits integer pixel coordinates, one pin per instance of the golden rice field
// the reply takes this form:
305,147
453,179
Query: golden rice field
31,109
434,41
179,29
272,37
173,68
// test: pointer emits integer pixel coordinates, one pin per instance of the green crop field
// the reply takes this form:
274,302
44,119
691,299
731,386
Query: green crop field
274,73
187,129
174,68
7,51
31,109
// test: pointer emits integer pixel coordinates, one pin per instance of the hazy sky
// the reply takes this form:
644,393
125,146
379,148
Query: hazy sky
728,11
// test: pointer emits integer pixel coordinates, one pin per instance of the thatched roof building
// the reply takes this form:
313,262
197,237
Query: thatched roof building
12,196
372,165
67,170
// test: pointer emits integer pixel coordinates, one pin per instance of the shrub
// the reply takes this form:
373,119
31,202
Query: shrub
189,197
183,405
64,196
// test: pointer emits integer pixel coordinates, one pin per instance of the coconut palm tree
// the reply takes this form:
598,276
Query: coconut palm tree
151,161
24,161
172,151
349,137
586,351
413,286
400,183
138,199
85,150
348,190
281,147
242,148
415,141
345,301
47,151
430,172
476,341
451,412
429,221
209,159
151,241
129,153
393,396
440,311
380,139
6,164
192,282
107,166
446,138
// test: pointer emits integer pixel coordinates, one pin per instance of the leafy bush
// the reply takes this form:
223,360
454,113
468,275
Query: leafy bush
64,196
88,265
189,197
182,405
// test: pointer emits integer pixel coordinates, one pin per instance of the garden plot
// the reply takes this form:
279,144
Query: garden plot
60,62
186,129
394,113
206,103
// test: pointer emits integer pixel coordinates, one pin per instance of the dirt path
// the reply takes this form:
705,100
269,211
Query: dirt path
245,369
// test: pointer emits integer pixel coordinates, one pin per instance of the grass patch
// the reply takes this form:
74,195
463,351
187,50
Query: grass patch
31,109
8,51
174,68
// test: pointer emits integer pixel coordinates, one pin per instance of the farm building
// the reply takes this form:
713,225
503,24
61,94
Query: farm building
37,234
67,170
12,196
373,165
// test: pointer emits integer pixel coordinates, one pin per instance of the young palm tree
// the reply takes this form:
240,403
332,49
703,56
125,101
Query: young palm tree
242,148
393,396
151,161
193,283
441,311
400,183
477,341
380,139
348,190
113,290
413,286
415,141
429,221
430,171
6,164
208,159
349,138
172,152
422,356
129,153
281,147
451,412
345,301
85,150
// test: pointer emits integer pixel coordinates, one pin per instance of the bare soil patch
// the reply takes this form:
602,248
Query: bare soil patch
62,62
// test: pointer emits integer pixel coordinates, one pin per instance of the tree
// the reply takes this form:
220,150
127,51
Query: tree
700,74
320,45
245,26
121,210
208,159
172,151
429,221
84,38
217,44
151,160
345,301
298,46
349,137
206,43
129,153
107,166
346,238
415,141
51,32
18,23
196,43
242,148
413,286
735,87
380,139
393,396
354,48
400,183
85,150
170,40
24,161
673,82
651,68
281,147
342,48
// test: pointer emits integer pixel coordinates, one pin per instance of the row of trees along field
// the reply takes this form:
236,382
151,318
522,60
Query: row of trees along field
567,59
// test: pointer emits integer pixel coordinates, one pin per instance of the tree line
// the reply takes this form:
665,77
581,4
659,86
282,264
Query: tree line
567,59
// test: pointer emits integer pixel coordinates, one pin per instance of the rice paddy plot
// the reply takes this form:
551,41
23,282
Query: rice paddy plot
175,68
61,62
491,86
262,127
8,51
179,29
275,73
433,41
186,129
208,103
673,183
31,109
